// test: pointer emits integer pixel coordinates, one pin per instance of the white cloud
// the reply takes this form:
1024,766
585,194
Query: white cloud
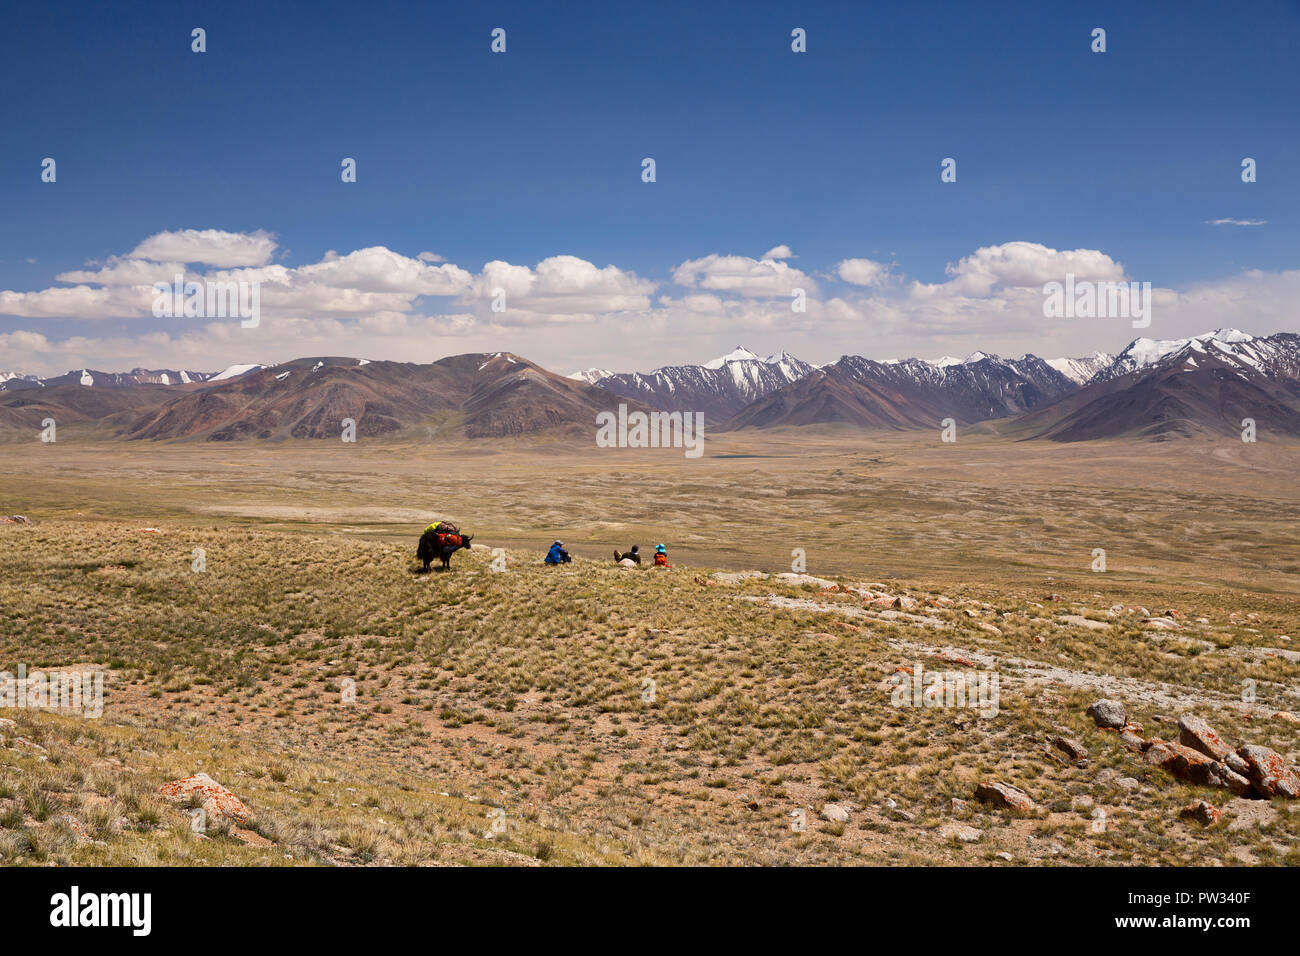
213,247
1022,265
430,257
779,252
560,289
865,272
376,303
753,278
1236,222
81,302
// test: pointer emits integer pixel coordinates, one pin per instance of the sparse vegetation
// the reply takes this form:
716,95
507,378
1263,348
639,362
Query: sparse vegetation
525,691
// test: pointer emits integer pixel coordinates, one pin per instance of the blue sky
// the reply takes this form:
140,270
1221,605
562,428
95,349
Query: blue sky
536,153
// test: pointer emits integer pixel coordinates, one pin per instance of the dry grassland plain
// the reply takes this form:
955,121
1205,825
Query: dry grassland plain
592,715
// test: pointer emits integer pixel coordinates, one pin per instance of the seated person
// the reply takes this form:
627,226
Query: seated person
634,554
661,557
557,554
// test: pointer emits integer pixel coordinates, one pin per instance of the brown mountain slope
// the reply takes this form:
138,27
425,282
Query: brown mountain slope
1173,399
485,395
70,404
908,394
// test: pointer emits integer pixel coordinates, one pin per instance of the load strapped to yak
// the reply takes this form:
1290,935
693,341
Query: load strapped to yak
447,533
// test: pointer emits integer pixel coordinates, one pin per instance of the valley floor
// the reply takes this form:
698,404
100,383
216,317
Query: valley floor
589,714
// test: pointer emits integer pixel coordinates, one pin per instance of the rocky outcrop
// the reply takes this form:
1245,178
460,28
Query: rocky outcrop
1194,732
1005,795
1194,766
1269,773
1203,757
214,798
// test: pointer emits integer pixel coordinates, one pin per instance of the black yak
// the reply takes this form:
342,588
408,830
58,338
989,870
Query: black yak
441,544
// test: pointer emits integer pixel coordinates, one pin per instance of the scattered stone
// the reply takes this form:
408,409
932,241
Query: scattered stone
954,659
1078,620
1076,750
1201,812
7,724
217,800
788,577
1194,732
1081,801
985,626
1108,713
1005,795
1161,624
732,577
958,805
835,813
13,519
1286,715
961,832
905,603
1127,783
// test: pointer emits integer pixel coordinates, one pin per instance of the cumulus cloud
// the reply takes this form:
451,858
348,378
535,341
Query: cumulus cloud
753,278
77,302
779,252
1019,265
559,289
213,247
865,272
377,303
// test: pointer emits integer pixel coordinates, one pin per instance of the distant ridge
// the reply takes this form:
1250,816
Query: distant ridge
1154,389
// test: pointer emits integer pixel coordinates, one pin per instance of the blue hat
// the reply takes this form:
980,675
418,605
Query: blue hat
659,547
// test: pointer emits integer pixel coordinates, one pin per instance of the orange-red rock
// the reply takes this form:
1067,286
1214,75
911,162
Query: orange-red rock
216,799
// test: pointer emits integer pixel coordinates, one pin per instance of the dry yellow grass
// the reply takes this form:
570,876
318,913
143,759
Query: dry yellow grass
530,690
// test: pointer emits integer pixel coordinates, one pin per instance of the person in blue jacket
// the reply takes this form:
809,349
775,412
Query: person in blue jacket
557,554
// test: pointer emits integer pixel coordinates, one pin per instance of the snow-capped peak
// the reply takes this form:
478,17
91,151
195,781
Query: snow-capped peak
1080,370
1142,352
1231,345
590,375
738,354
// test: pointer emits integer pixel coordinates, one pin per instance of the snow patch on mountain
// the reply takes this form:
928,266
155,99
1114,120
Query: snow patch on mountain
591,376
1081,370
234,371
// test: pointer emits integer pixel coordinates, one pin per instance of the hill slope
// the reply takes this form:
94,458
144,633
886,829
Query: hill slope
909,394
485,395
1198,386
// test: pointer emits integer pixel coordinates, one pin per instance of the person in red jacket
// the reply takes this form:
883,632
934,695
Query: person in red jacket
661,557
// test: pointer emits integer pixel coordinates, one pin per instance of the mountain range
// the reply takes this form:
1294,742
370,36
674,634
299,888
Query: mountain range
1206,384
